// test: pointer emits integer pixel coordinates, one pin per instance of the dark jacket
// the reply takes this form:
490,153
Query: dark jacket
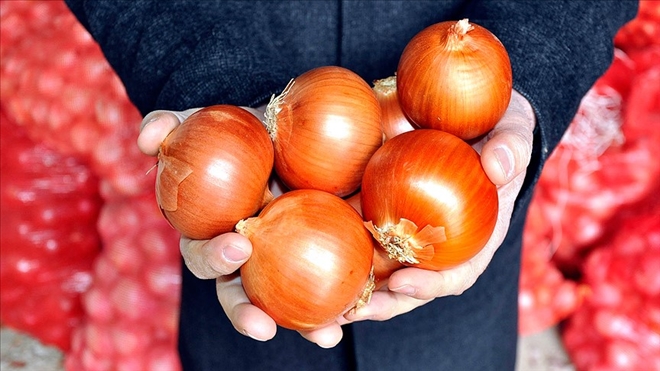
182,54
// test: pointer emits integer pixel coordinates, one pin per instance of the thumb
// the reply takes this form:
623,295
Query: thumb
508,149
156,126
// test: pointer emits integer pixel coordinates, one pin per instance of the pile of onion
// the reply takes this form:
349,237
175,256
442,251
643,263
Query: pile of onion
101,284
425,198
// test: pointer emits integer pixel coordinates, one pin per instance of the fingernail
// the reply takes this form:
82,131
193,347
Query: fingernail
405,289
244,332
360,314
234,254
151,119
505,159
327,346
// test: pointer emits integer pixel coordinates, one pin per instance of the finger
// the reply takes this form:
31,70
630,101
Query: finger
216,257
257,324
156,126
245,317
427,284
325,337
508,148
385,305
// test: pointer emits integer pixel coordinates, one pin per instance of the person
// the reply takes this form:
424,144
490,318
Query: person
178,55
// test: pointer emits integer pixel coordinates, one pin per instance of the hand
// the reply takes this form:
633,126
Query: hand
505,154
220,257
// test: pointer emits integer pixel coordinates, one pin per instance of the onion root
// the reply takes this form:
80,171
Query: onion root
403,243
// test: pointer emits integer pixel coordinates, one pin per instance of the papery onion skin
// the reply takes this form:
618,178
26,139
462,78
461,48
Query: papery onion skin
432,178
311,259
383,265
325,126
456,77
394,121
213,171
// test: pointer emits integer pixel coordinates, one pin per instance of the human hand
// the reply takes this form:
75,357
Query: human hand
505,154
221,257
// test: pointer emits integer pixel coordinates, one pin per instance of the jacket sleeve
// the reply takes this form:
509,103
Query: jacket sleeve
558,49
181,54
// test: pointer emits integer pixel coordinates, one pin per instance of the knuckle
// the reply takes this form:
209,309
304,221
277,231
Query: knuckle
196,270
196,260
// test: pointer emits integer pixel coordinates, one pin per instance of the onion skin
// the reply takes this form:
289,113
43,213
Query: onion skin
455,77
382,264
311,259
434,180
394,121
325,126
213,171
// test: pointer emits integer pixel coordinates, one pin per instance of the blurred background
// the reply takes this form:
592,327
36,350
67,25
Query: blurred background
89,268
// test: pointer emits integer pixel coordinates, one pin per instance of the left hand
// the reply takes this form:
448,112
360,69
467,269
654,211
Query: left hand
505,154
220,258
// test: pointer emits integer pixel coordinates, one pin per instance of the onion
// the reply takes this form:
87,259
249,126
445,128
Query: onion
325,126
354,201
394,121
384,266
455,77
427,200
311,259
213,171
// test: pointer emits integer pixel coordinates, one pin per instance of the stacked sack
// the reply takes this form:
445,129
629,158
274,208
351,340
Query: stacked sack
88,262
48,237
594,216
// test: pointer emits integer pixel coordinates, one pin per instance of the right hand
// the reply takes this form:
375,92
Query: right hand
221,257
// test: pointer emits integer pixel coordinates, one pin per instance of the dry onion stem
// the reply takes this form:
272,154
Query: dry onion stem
369,288
274,107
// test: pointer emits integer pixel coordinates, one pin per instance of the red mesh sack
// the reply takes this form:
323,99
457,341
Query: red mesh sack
643,31
545,296
133,305
618,327
57,86
48,237
55,82
605,163
605,166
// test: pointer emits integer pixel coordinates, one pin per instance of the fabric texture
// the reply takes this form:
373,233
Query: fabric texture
181,54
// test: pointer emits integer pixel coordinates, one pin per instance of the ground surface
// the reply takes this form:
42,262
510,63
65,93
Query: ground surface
18,352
